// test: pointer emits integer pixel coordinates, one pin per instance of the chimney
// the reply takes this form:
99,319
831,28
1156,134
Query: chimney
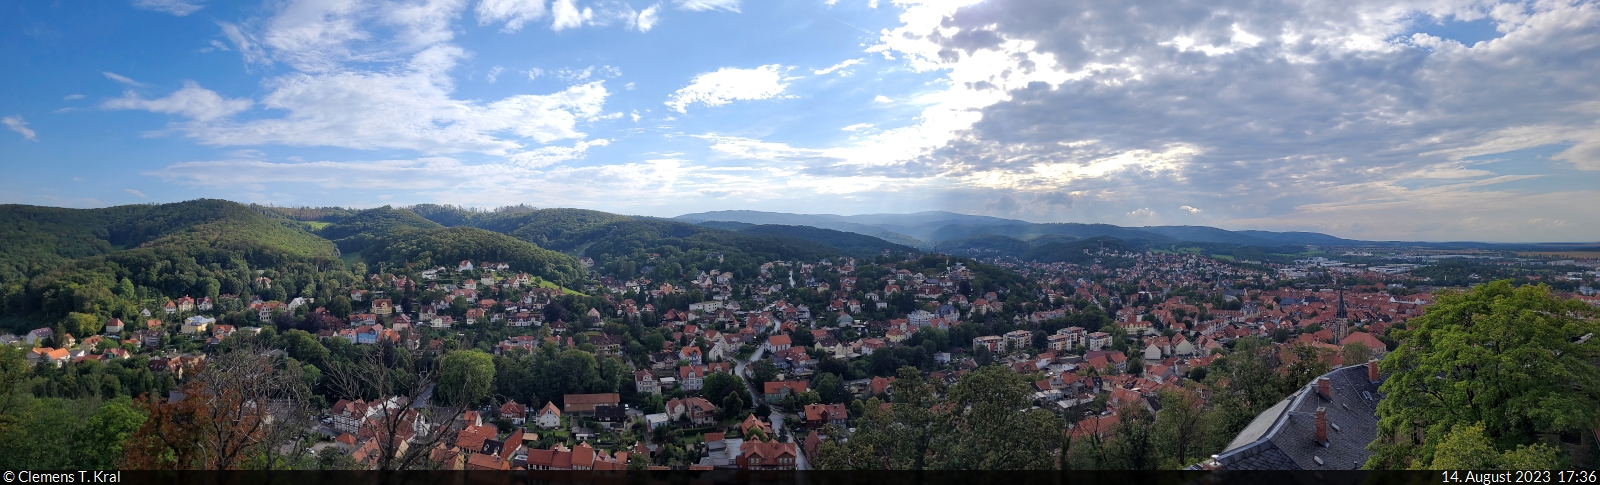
1322,426
1325,388
1372,371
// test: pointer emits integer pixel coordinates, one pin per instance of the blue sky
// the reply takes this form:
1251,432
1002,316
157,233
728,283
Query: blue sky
1438,120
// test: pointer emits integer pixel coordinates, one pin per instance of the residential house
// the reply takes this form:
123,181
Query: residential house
584,404
819,415
646,382
1098,340
766,455
698,411
39,334
691,354
776,390
382,306
196,325
1018,340
992,343
777,343
548,417
517,413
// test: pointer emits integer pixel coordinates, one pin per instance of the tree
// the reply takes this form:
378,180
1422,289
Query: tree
1307,365
333,458
1466,448
464,377
1355,353
83,324
245,407
830,389
1133,442
992,428
717,386
107,429
402,381
1514,359
732,405
303,346
340,306
763,371
1179,423
982,422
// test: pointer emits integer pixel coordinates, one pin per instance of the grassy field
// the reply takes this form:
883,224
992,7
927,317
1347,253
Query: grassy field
546,284
1563,254
318,225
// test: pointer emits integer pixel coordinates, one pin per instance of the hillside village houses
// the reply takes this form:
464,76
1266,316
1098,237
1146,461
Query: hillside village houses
1163,327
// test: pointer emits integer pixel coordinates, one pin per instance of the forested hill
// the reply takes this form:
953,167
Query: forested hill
86,266
35,239
661,249
853,243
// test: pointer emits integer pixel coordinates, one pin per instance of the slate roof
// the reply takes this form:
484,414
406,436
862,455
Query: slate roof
1284,436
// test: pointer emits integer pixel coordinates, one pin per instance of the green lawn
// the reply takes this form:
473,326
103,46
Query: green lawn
546,284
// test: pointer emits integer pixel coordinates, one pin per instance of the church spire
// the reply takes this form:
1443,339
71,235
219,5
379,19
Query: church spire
1341,313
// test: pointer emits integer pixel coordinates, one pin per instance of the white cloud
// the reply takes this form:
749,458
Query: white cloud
752,149
424,173
1191,210
882,99
567,15
249,48
193,101
376,74
581,75
647,18
410,110
1256,112
836,67
515,13
135,193
121,79
635,116
72,97
534,73
858,127
704,5
17,124
175,7
727,85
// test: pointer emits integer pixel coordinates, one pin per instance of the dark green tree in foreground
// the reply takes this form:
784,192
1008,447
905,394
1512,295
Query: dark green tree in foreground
981,423
464,376
1492,372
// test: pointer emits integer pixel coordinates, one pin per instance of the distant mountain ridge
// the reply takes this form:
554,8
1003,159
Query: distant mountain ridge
930,229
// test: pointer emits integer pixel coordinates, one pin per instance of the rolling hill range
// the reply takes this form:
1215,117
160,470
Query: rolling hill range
930,230
628,246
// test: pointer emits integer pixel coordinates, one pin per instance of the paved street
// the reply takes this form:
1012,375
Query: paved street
756,398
